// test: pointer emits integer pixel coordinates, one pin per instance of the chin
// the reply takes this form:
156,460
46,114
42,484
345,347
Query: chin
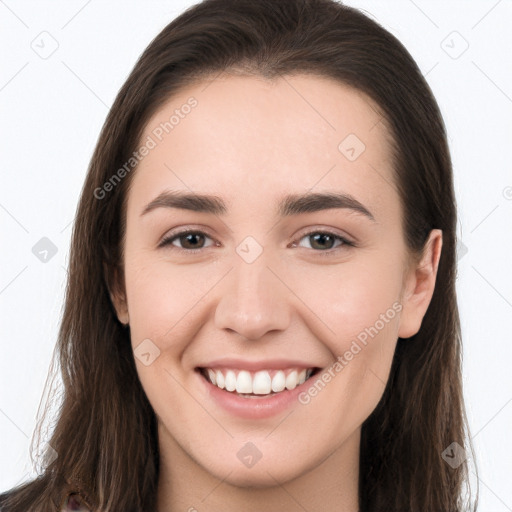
263,474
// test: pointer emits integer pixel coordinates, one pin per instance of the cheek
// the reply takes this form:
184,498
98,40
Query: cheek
149,300
162,297
347,299
354,298
358,306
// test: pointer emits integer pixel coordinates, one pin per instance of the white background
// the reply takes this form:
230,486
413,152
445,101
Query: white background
51,113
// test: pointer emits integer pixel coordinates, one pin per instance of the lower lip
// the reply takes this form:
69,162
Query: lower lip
257,407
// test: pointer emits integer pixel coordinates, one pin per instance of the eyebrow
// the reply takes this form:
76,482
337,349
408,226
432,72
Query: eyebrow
291,204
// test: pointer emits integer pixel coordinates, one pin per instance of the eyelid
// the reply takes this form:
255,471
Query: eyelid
347,242
311,230
168,238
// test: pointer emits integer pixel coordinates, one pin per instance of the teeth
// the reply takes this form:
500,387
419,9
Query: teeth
244,382
262,382
230,380
278,382
291,380
220,379
211,374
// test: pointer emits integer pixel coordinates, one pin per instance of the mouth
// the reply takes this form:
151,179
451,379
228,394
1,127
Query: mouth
257,384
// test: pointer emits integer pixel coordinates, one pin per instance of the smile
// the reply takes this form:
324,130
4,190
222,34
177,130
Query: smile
251,384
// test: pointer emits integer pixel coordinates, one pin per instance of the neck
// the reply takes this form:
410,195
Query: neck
185,486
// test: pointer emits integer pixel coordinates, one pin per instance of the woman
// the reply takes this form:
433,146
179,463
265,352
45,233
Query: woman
216,355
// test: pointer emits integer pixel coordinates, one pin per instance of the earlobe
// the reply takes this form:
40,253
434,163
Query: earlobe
419,286
119,303
117,296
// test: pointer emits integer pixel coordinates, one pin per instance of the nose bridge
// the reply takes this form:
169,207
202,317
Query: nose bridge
253,300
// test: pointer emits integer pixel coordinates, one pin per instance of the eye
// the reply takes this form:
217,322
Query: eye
190,240
193,240
324,240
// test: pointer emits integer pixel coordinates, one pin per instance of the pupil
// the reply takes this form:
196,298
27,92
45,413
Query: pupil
317,238
191,236
321,236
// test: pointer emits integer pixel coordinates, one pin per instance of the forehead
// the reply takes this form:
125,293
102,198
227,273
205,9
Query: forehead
243,136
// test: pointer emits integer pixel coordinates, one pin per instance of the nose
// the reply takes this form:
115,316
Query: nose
253,300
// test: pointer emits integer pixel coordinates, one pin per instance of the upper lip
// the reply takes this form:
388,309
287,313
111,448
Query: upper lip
254,366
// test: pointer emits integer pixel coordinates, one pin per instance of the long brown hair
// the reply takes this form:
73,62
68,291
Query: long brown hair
105,434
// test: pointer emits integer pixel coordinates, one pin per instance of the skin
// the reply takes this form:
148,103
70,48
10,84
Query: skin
250,141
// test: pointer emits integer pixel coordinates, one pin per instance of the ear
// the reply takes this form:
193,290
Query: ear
419,284
117,294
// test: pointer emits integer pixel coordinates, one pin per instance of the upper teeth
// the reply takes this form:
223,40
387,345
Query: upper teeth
259,383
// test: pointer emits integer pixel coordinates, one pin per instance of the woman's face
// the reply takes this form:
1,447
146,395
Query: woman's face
272,284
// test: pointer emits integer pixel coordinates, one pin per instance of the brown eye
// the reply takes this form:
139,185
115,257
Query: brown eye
188,240
320,240
324,241
191,240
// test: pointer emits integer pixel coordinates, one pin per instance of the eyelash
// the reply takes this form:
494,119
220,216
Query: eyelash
167,241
